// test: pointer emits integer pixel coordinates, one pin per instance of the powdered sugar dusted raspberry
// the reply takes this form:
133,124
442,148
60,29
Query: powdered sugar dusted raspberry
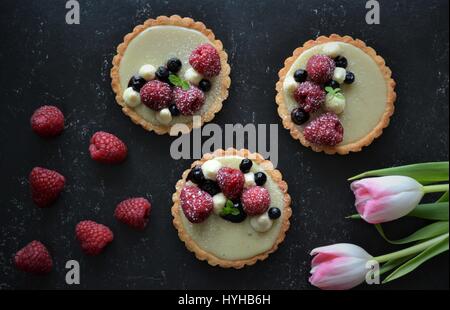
320,68
310,96
206,60
231,182
196,204
255,200
188,101
325,130
156,95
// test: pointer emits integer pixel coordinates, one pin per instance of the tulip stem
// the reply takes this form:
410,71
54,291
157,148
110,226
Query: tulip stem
411,250
440,188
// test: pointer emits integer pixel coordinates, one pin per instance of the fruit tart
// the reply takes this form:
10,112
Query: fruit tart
168,70
335,95
231,208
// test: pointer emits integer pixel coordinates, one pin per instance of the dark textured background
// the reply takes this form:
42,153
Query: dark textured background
45,61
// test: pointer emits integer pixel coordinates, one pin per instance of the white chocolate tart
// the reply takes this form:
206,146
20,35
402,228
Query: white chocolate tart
231,244
148,47
369,101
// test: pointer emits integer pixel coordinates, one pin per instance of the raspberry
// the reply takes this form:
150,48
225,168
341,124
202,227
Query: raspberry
310,96
320,68
93,237
231,182
133,212
188,101
46,185
156,95
47,121
255,200
34,258
325,130
197,205
107,148
206,61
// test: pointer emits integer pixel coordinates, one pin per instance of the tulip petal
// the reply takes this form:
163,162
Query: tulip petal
342,249
340,273
384,199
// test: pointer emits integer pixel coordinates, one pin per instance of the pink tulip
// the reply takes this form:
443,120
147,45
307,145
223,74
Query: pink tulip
339,266
385,199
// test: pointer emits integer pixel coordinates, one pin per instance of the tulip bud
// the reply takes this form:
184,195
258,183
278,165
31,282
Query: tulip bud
385,199
339,266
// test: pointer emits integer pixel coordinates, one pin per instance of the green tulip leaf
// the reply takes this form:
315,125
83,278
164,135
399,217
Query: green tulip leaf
431,211
444,198
392,264
426,173
415,262
427,232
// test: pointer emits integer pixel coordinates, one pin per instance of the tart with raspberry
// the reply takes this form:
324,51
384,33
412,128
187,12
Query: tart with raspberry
169,70
335,95
231,208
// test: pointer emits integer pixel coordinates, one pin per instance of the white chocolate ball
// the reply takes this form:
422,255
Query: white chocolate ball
335,104
210,169
219,202
132,98
339,75
164,116
147,72
261,223
331,49
193,76
290,84
249,179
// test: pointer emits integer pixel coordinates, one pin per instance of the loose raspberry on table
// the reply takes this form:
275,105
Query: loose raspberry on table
133,212
196,204
325,130
231,182
45,185
206,60
107,148
310,96
93,237
34,258
255,200
47,121
189,101
320,68
156,95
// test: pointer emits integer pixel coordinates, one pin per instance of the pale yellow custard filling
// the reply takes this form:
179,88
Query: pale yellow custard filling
366,98
155,46
231,241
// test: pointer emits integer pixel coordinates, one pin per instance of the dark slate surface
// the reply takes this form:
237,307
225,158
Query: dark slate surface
45,61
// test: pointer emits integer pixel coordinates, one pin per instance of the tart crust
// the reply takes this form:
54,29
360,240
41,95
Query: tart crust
201,254
363,142
174,20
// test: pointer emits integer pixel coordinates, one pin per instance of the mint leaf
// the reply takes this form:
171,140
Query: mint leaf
235,212
329,90
339,95
229,209
185,85
177,81
174,79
